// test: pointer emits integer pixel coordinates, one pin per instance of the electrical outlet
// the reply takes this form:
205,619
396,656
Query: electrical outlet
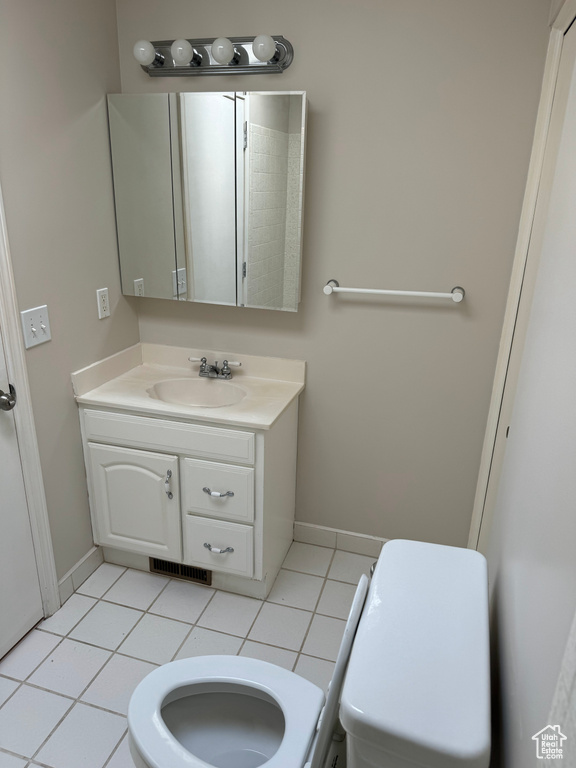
139,287
103,303
36,326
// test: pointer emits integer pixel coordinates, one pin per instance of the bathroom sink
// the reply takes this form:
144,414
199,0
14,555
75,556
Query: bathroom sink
202,393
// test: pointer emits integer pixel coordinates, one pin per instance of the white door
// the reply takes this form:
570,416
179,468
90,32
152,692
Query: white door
20,597
531,548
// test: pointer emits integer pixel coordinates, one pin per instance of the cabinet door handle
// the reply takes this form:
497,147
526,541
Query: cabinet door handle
167,484
217,495
218,551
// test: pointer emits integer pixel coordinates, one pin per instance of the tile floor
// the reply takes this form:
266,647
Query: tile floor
64,689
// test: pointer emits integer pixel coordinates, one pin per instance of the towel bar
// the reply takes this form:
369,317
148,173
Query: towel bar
456,294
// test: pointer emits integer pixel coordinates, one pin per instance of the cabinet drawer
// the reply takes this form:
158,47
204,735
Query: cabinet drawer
198,475
199,531
173,436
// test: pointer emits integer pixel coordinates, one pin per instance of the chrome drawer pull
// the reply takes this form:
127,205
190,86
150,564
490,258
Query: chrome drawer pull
167,484
216,494
217,551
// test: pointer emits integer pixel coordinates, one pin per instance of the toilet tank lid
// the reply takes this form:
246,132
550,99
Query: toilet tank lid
418,682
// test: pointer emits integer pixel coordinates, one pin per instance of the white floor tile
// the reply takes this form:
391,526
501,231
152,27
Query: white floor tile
94,728
349,567
270,653
182,601
70,667
136,589
229,613
308,558
29,717
28,654
122,757
7,688
66,618
317,671
336,599
85,738
106,625
281,626
324,637
155,639
101,580
115,684
298,590
204,642
9,761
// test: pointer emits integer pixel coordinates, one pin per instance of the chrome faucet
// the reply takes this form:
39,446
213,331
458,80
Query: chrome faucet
212,371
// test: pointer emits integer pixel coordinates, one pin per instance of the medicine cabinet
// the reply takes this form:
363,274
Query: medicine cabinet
209,195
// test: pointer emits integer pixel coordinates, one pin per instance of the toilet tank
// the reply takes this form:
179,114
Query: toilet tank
417,688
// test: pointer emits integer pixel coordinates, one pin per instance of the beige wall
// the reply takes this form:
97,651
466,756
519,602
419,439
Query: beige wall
417,157
59,59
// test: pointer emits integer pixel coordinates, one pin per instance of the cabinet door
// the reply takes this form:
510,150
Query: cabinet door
136,504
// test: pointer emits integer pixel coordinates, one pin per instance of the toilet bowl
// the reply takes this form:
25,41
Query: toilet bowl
410,685
223,711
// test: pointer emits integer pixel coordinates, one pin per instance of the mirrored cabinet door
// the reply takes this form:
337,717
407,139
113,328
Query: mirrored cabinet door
271,201
209,194
141,144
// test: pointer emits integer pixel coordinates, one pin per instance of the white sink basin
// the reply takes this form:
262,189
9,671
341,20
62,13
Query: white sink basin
201,393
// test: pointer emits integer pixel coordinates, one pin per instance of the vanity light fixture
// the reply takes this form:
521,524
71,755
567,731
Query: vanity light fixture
223,56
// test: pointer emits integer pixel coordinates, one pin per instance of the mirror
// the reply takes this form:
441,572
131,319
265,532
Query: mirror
209,193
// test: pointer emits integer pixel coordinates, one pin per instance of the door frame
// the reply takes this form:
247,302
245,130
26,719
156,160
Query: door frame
25,427
519,296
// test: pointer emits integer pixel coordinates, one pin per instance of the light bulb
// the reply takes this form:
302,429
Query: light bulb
223,50
182,52
264,47
144,52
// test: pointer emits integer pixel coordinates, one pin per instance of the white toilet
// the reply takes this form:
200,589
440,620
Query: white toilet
410,687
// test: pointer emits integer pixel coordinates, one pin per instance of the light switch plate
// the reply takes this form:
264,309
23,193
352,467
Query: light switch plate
179,284
36,326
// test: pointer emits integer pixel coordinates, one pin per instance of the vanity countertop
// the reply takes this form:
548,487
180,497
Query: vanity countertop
123,381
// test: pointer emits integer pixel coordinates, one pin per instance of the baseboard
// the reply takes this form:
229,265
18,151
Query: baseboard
348,541
225,581
78,574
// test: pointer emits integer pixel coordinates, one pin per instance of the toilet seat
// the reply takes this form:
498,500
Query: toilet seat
299,700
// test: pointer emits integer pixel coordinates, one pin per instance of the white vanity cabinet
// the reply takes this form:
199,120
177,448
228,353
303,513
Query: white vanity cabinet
215,497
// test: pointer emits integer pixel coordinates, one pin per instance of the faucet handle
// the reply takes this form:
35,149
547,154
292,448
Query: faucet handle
225,371
203,364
